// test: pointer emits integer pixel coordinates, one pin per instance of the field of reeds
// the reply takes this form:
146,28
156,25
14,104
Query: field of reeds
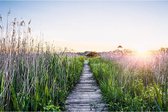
33,74
132,82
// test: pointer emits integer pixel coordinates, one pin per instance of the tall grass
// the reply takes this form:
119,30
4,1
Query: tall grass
33,76
125,88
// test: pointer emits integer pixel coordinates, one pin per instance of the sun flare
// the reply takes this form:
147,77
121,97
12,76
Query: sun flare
142,53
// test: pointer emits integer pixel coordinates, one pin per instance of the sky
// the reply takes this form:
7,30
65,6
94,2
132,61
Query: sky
96,25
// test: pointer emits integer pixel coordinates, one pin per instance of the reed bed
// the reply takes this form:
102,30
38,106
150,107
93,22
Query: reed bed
130,85
33,75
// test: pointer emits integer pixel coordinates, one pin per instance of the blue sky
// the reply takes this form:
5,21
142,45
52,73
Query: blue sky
95,25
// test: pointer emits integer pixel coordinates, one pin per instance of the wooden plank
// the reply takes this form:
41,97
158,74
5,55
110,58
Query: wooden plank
86,96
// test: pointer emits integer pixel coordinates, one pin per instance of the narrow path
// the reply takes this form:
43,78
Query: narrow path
86,96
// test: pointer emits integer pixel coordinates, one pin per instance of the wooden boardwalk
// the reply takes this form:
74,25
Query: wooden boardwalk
86,96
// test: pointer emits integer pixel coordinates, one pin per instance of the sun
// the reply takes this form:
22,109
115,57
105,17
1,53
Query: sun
142,50
142,53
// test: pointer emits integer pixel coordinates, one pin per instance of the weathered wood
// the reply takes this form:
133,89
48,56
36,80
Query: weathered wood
86,96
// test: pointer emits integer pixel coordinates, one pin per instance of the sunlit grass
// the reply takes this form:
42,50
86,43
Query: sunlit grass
130,87
34,76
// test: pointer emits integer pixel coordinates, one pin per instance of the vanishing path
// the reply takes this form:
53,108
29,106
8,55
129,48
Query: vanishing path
86,96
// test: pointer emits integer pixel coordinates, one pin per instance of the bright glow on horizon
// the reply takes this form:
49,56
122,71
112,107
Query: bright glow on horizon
98,26
142,49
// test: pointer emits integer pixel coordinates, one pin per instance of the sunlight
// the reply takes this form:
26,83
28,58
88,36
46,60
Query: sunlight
142,51
142,55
